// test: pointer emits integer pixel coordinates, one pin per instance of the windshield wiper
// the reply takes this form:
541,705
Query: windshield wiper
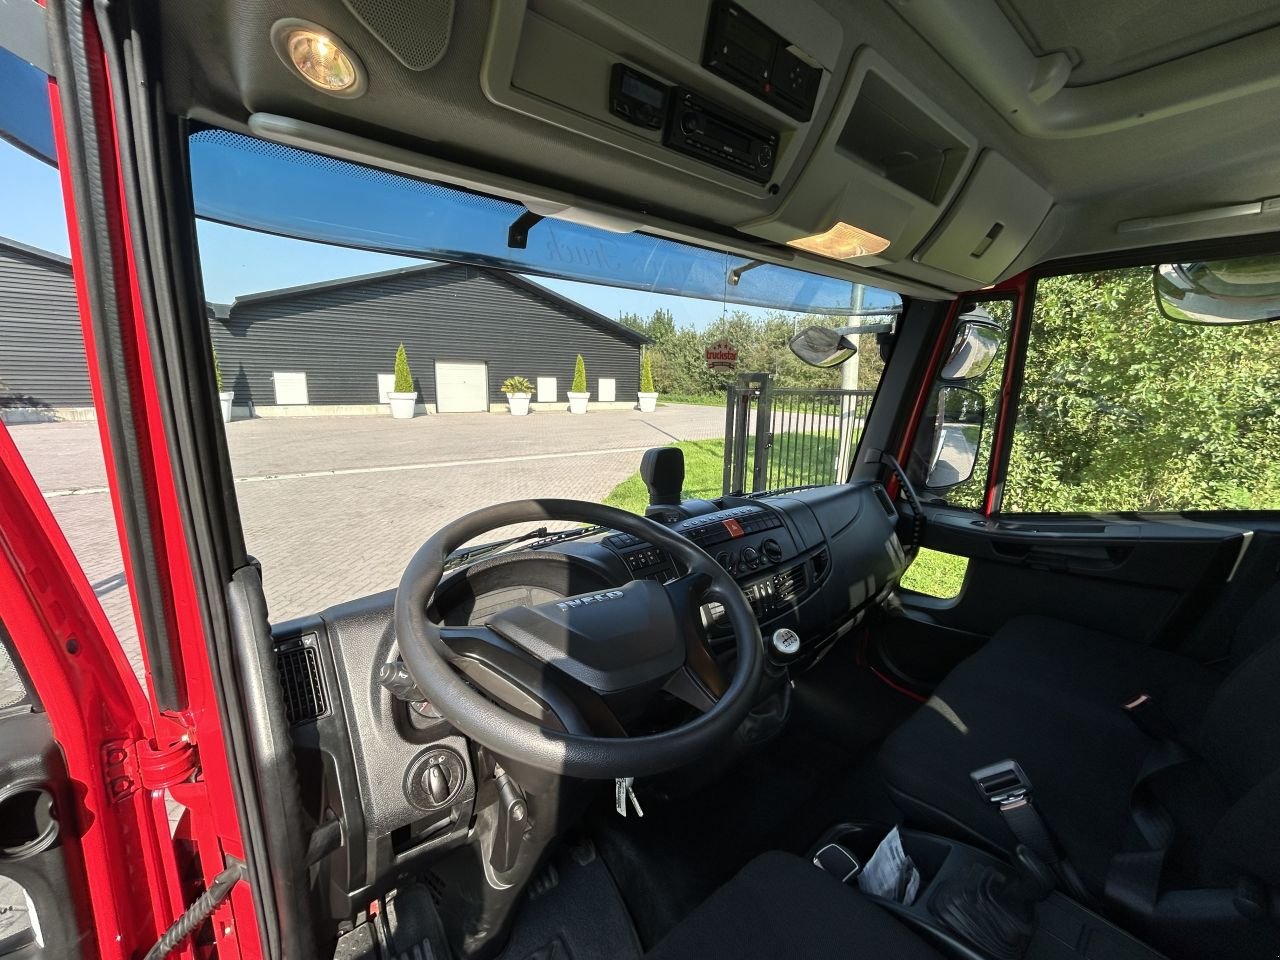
466,555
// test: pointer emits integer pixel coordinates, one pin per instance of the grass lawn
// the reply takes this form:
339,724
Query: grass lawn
936,574
702,400
933,573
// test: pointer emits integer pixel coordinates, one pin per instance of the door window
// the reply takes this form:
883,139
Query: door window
1124,409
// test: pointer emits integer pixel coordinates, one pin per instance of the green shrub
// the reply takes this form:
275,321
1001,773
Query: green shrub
217,370
646,373
516,385
404,379
579,375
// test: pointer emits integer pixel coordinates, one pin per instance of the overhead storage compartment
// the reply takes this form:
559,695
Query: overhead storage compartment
888,163
991,222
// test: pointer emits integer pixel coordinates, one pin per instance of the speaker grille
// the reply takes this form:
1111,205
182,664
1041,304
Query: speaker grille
415,31
299,668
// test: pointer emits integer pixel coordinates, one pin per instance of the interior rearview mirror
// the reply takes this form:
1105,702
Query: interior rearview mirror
959,413
1219,292
978,337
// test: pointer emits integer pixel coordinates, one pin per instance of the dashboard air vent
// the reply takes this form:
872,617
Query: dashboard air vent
298,665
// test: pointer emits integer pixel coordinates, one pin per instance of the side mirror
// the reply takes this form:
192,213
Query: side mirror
978,338
1219,292
959,414
822,347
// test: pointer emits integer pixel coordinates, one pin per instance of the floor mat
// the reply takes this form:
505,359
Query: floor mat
573,911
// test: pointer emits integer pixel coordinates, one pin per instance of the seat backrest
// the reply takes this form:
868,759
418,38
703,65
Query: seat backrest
1240,741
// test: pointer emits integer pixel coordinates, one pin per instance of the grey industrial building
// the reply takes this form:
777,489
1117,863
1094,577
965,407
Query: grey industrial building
330,347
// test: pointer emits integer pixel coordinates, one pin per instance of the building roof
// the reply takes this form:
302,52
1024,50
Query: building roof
53,258
537,289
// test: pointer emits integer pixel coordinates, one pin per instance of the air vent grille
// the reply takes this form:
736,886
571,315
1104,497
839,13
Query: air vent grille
298,665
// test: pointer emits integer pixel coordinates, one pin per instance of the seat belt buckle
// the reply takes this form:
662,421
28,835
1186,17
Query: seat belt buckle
1003,784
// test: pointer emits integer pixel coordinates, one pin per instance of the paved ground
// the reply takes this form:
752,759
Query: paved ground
335,506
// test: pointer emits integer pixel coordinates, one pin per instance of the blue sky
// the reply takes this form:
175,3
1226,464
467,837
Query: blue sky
235,262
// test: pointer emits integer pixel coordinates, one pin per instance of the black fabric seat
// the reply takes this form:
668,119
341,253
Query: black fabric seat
1050,696
780,906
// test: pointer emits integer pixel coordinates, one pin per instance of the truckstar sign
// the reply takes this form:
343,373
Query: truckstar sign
721,356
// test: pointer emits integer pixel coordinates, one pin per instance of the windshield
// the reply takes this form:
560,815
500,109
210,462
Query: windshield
388,361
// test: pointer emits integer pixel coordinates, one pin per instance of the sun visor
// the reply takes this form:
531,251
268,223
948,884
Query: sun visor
25,117
247,182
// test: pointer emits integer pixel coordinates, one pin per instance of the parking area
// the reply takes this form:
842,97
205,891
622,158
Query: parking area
335,506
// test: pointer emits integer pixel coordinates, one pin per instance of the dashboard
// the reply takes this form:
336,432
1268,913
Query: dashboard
813,560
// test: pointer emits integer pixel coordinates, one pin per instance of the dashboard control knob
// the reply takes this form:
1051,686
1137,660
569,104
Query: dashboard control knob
435,779
750,557
784,645
689,123
724,559
772,550
437,782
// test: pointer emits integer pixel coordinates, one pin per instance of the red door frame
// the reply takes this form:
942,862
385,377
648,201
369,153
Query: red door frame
1020,287
121,751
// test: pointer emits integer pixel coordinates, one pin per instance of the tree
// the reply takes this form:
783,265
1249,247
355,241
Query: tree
1123,409
404,379
646,373
217,370
579,375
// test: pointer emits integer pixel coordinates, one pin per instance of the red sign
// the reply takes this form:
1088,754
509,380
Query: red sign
721,357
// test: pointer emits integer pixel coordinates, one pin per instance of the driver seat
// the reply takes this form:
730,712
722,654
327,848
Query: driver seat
782,906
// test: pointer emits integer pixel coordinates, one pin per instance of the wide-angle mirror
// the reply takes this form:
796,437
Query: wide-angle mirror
1220,292
959,413
978,338
823,347
832,346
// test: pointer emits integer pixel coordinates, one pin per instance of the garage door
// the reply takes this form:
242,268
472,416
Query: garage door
461,387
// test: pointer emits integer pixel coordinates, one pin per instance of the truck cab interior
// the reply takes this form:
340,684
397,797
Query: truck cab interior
723,728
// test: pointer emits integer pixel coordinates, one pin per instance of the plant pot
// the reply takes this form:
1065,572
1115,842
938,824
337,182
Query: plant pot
403,405
518,403
225,397
578,402
648,402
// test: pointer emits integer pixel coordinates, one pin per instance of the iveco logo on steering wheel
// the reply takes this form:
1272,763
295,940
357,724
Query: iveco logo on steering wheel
590,598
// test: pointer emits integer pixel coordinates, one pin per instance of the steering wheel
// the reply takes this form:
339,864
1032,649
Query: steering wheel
619,644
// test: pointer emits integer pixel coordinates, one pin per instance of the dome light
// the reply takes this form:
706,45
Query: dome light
319,57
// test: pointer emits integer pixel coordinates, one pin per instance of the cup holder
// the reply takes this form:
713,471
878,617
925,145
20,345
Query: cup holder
28,824
861,837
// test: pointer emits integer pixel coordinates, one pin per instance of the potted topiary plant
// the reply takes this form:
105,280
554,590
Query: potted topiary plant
518,390
224,396
648,396
403,398
578,395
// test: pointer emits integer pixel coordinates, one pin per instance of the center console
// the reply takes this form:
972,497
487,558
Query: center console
979,907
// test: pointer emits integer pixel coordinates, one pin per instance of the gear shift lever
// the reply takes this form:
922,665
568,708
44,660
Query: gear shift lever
662,470
994,910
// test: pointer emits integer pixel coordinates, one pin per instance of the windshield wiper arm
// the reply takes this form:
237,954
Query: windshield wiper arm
468,554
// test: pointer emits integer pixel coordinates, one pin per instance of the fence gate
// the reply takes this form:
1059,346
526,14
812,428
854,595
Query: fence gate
779,437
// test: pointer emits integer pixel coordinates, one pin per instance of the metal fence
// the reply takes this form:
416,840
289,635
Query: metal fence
778,437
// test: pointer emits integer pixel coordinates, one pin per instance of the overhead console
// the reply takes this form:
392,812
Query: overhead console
810,126
708,87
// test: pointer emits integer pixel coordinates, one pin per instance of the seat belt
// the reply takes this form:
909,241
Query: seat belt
1134,877
1007,787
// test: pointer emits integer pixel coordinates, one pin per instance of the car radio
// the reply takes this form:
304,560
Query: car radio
709,132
